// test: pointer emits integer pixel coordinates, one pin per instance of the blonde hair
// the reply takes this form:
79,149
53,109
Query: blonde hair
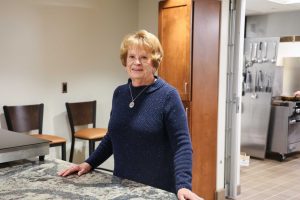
144,39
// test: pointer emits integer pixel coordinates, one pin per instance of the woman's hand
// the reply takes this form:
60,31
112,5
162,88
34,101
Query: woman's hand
297,94
81,169
186,194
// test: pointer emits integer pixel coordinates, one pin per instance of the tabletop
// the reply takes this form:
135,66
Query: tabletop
33,179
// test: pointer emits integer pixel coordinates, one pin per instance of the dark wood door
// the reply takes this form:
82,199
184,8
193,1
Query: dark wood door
206,33
175,36
187,107
197,85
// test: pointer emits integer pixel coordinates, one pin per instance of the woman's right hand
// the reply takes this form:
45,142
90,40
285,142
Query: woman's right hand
83,168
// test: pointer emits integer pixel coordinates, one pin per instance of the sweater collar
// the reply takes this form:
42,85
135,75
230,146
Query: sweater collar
154,86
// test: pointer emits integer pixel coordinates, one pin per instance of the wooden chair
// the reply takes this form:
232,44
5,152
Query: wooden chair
27,118
80,114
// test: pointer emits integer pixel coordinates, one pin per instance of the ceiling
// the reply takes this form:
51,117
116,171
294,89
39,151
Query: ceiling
260,7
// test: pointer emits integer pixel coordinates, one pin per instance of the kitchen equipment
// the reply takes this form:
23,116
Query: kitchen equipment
265,52
290,98
274,58
16,146
257,98
284,129
254,53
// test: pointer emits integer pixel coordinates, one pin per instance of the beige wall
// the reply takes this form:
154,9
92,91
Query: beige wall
47,42
148,15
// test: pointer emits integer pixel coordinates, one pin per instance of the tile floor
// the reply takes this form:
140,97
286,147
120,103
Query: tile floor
271,179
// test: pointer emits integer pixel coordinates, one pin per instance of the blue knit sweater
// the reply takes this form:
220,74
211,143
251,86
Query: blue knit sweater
150,142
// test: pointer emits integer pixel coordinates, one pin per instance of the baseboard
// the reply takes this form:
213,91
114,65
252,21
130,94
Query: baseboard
238,190
220,194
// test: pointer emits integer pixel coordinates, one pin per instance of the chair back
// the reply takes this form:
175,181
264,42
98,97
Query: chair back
24,118
81,113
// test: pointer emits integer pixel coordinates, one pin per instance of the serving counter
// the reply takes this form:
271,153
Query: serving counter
16,146
33,179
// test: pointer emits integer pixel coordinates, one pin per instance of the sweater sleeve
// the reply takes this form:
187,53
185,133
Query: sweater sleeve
104,149
177,128
102,153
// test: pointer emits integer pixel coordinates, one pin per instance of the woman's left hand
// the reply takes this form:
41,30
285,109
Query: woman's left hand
186,194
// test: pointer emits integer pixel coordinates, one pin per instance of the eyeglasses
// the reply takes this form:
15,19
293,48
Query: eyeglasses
141,59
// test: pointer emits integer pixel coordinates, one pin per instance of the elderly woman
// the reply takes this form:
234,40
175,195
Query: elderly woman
148,131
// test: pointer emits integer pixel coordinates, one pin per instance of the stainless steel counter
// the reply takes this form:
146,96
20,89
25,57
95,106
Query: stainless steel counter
15,146
39,180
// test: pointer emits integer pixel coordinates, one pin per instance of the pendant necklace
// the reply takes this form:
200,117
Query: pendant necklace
131,104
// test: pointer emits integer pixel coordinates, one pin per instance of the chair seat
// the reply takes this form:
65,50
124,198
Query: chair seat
53,139
91,133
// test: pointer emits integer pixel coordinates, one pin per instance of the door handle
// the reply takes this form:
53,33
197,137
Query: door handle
185,87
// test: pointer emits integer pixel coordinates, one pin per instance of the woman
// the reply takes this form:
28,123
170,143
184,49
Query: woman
147,132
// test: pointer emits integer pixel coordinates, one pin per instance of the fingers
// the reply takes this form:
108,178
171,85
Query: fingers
181,197
84,168
186,194
81,171
61,172
69,171
197,197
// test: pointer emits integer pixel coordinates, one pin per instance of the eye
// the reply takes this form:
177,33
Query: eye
131,56
144,57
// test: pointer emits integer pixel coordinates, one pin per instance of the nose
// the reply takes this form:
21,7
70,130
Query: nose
137,61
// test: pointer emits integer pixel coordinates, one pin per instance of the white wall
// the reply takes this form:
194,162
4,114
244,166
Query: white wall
287,49
222,95
47,42
288,57
273,25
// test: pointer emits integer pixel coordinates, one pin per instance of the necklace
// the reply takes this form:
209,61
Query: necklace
131,104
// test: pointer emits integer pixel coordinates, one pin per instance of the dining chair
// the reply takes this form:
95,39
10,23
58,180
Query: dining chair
81,116
29,118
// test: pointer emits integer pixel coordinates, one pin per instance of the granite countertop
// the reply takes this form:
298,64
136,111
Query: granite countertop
32,180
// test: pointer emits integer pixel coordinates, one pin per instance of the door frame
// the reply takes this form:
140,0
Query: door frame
236,22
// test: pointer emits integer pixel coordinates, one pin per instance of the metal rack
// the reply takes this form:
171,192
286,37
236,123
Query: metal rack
258,88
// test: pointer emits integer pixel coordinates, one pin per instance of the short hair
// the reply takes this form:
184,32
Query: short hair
145,39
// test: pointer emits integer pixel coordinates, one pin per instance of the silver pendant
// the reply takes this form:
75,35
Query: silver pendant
131,104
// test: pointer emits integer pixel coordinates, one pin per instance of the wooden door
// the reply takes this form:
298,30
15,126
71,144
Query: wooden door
175,35
199,96
187,107
204,106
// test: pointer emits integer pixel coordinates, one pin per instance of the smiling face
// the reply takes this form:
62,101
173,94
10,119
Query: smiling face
139,66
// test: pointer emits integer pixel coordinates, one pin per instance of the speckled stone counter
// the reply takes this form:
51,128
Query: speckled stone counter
39,180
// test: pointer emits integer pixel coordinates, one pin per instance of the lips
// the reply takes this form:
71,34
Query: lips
138,70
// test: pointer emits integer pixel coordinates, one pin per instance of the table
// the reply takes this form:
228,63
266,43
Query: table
16,146
33,179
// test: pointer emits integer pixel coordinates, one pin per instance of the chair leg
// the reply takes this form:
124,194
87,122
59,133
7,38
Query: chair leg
41,158
63,151
91,146
72,150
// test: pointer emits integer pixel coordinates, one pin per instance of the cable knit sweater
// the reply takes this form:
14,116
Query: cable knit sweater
150,142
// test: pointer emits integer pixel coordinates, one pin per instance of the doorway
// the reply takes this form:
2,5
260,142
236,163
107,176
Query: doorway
261,20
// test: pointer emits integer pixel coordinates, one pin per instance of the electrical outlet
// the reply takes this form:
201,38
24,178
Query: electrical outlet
64,87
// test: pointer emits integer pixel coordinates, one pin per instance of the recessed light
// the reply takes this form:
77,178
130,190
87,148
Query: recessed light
285,1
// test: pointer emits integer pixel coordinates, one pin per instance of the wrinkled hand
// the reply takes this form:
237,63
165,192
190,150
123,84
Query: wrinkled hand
297,94
81,169
186,194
